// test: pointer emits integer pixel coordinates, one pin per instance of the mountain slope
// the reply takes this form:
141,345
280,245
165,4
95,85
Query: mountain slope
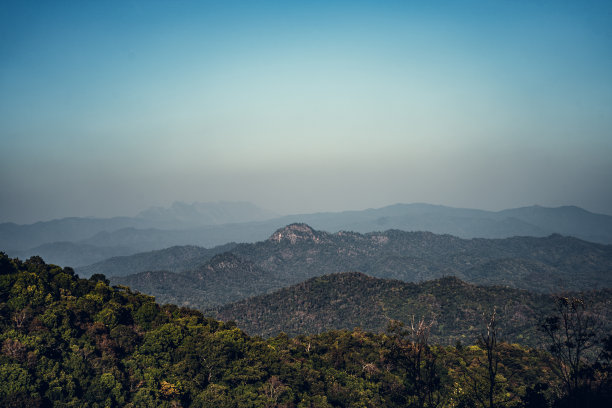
227,278
74,229
173,259
297,252
223,279
168,287
348,300
567,220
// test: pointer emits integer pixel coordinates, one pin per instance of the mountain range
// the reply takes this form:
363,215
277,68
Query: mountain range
298,252
83,241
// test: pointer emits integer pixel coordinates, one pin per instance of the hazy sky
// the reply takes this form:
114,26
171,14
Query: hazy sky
107,108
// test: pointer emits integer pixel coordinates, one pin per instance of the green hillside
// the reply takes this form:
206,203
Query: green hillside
349,300
70,342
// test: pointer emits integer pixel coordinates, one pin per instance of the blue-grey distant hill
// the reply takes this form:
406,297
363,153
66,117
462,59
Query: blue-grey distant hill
212,224
73,254
179,216
78,241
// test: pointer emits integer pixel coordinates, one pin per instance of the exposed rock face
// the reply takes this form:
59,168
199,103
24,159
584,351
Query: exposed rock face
294,233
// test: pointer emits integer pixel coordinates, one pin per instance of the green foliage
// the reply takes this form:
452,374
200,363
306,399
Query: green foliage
74,342
348,300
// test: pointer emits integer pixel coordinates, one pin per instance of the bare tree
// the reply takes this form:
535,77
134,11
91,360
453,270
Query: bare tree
482,377
488,340
20,317
572,334
272,390
411,351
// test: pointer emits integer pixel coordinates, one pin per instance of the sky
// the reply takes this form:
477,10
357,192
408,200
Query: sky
108,108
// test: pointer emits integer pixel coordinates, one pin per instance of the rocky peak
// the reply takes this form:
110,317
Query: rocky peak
297,233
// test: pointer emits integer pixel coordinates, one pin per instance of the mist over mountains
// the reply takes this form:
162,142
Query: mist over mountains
179,216
83,241
203,214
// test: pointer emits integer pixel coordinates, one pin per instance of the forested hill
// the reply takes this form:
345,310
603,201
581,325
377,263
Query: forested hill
562,263
297,252
173,259
223,279
70,342
349,300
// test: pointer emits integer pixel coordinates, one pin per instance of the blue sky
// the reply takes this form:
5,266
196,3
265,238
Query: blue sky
107,108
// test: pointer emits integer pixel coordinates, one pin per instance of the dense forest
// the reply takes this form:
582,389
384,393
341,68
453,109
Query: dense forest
71,342
352,299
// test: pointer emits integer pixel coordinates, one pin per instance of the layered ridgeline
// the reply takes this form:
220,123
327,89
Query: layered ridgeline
349,300
80,241
297,252
174,259
83,241
67,341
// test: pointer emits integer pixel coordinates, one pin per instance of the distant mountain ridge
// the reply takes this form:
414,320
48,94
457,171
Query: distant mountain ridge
183,224
298,252
203,214
83,241
179,216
